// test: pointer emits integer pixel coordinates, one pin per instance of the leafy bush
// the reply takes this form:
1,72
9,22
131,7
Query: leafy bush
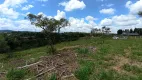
14,74
51,51
3,45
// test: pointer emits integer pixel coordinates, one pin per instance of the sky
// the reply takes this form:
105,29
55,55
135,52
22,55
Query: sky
83,15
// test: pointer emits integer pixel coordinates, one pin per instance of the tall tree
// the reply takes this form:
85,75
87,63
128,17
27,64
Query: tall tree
94,30
120,31
131,31
107,30
103,29
140,13
62,23
48,26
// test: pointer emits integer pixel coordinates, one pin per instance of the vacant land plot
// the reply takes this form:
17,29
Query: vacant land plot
88,59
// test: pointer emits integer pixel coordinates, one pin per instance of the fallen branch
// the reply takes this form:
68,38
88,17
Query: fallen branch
29,65
64,77
41,73
70,47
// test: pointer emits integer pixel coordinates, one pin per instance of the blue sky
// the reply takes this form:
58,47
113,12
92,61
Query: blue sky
82,14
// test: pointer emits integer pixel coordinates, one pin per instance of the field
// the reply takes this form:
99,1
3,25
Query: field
97,58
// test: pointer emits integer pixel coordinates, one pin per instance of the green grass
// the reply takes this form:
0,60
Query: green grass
132,68
101,63
84,71
16,74
84,51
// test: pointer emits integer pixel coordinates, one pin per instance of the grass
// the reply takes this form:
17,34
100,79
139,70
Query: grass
113,59
84,71
132,68
82,51
53,77
16,74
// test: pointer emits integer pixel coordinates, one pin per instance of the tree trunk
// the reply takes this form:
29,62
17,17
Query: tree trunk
49,37
59,30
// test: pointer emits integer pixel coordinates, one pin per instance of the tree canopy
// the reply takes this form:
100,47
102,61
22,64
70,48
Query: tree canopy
48,25
140,13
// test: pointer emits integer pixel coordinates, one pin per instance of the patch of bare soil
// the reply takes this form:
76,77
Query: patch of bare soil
17,62
63,65
2,75
120,61
92,48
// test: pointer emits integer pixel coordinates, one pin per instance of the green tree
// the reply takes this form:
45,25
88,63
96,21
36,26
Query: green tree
103,29
62,23
140,13
131,31
119,31
48,26
3,45
107,30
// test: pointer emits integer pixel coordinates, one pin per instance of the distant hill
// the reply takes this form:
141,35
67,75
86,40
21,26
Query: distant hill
5,31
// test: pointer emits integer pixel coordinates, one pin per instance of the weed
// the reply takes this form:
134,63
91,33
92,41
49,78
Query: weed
132,68
53,77
14,74
84,72
82,50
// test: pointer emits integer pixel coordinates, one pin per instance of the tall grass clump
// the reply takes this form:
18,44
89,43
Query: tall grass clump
53,77
82,50
132,68
16,74
84,71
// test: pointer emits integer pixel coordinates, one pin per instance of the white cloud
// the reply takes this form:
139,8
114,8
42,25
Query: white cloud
13,3
110,5
42,0
106,22
7,8
90,18
107,5
8,13
101,0
125,20
107,11
73,4
17,25
134,7
79,25
27,7
60,14
122,22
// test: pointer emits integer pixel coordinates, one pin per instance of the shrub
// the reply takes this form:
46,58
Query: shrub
51,51
3,45
14,74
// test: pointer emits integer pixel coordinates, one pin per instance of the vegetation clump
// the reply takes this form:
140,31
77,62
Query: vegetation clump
3,45
15,74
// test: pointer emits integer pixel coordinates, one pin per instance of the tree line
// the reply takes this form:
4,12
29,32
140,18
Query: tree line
136,30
